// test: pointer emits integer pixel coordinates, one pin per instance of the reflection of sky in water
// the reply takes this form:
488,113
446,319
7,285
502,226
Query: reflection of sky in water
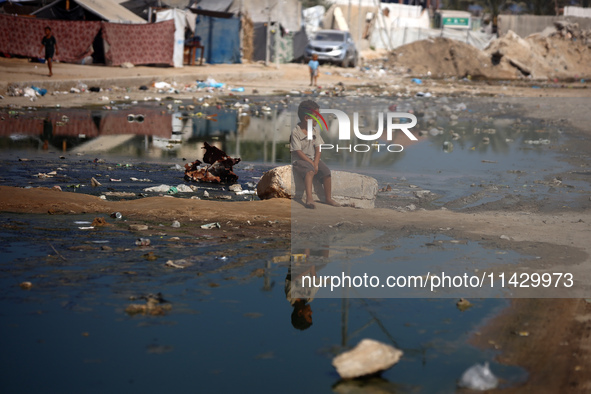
235,337
262,136
375,254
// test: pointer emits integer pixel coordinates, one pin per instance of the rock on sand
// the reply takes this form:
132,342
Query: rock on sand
367,358
347,188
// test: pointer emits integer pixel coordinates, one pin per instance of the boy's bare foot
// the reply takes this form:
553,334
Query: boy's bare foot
310,205
333,203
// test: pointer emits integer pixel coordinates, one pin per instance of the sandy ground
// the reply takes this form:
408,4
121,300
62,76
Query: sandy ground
254,78
556,352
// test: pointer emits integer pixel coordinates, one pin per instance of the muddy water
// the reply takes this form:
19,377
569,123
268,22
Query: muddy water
229,326
469,153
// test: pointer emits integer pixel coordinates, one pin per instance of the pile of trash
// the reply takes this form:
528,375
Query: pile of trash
220,168
561,52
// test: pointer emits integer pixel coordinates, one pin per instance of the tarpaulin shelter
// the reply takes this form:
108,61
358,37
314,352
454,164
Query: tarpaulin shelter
102,10
151,43
142,8
287,14
88,10
220,35
22,36
182,20
292,45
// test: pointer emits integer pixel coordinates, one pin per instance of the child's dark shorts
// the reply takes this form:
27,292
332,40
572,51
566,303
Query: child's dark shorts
302,167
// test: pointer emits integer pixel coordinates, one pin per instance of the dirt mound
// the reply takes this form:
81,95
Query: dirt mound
444,57
562,52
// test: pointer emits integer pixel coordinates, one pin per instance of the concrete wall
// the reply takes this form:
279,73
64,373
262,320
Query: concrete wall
524,25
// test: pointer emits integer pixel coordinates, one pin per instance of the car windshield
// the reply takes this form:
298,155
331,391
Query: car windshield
329,36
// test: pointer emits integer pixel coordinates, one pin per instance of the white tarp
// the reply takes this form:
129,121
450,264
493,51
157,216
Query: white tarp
401,15
396,37
577,11
180,23
313,19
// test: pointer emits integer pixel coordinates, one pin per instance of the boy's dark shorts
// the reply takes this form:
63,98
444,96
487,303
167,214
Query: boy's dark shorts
302,167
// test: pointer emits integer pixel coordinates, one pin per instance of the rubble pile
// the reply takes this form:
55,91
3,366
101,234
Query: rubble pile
559,52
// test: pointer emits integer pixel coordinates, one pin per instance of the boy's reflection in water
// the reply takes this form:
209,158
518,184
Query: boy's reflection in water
301,316
47,132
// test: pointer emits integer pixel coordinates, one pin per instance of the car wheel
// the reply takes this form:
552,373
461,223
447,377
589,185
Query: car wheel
345,62
354,61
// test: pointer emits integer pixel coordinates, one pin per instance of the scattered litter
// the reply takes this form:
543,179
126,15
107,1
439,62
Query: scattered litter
209,226
39,91
184,189
176,224
162,85
417,81
99,222
210,83
120,194
116,215
26,285
142,242
169,189
138,227
94,182
155,305
235,188
158,189
463,304
478,377
182,263
448,147
368,357
537,142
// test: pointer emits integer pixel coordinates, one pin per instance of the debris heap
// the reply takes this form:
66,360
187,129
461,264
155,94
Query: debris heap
219,168
562,51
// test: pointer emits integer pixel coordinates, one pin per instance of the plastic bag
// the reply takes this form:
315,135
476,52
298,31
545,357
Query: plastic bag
479,377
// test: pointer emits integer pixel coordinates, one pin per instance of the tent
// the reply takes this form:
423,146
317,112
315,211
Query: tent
142,7
220,35
287,13
291,46
89,10
182,20
103,10
22,36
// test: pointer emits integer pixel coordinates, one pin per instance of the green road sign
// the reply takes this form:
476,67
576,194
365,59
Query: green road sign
451,21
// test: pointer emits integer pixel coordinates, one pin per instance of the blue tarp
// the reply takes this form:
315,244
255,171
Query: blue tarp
221,38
